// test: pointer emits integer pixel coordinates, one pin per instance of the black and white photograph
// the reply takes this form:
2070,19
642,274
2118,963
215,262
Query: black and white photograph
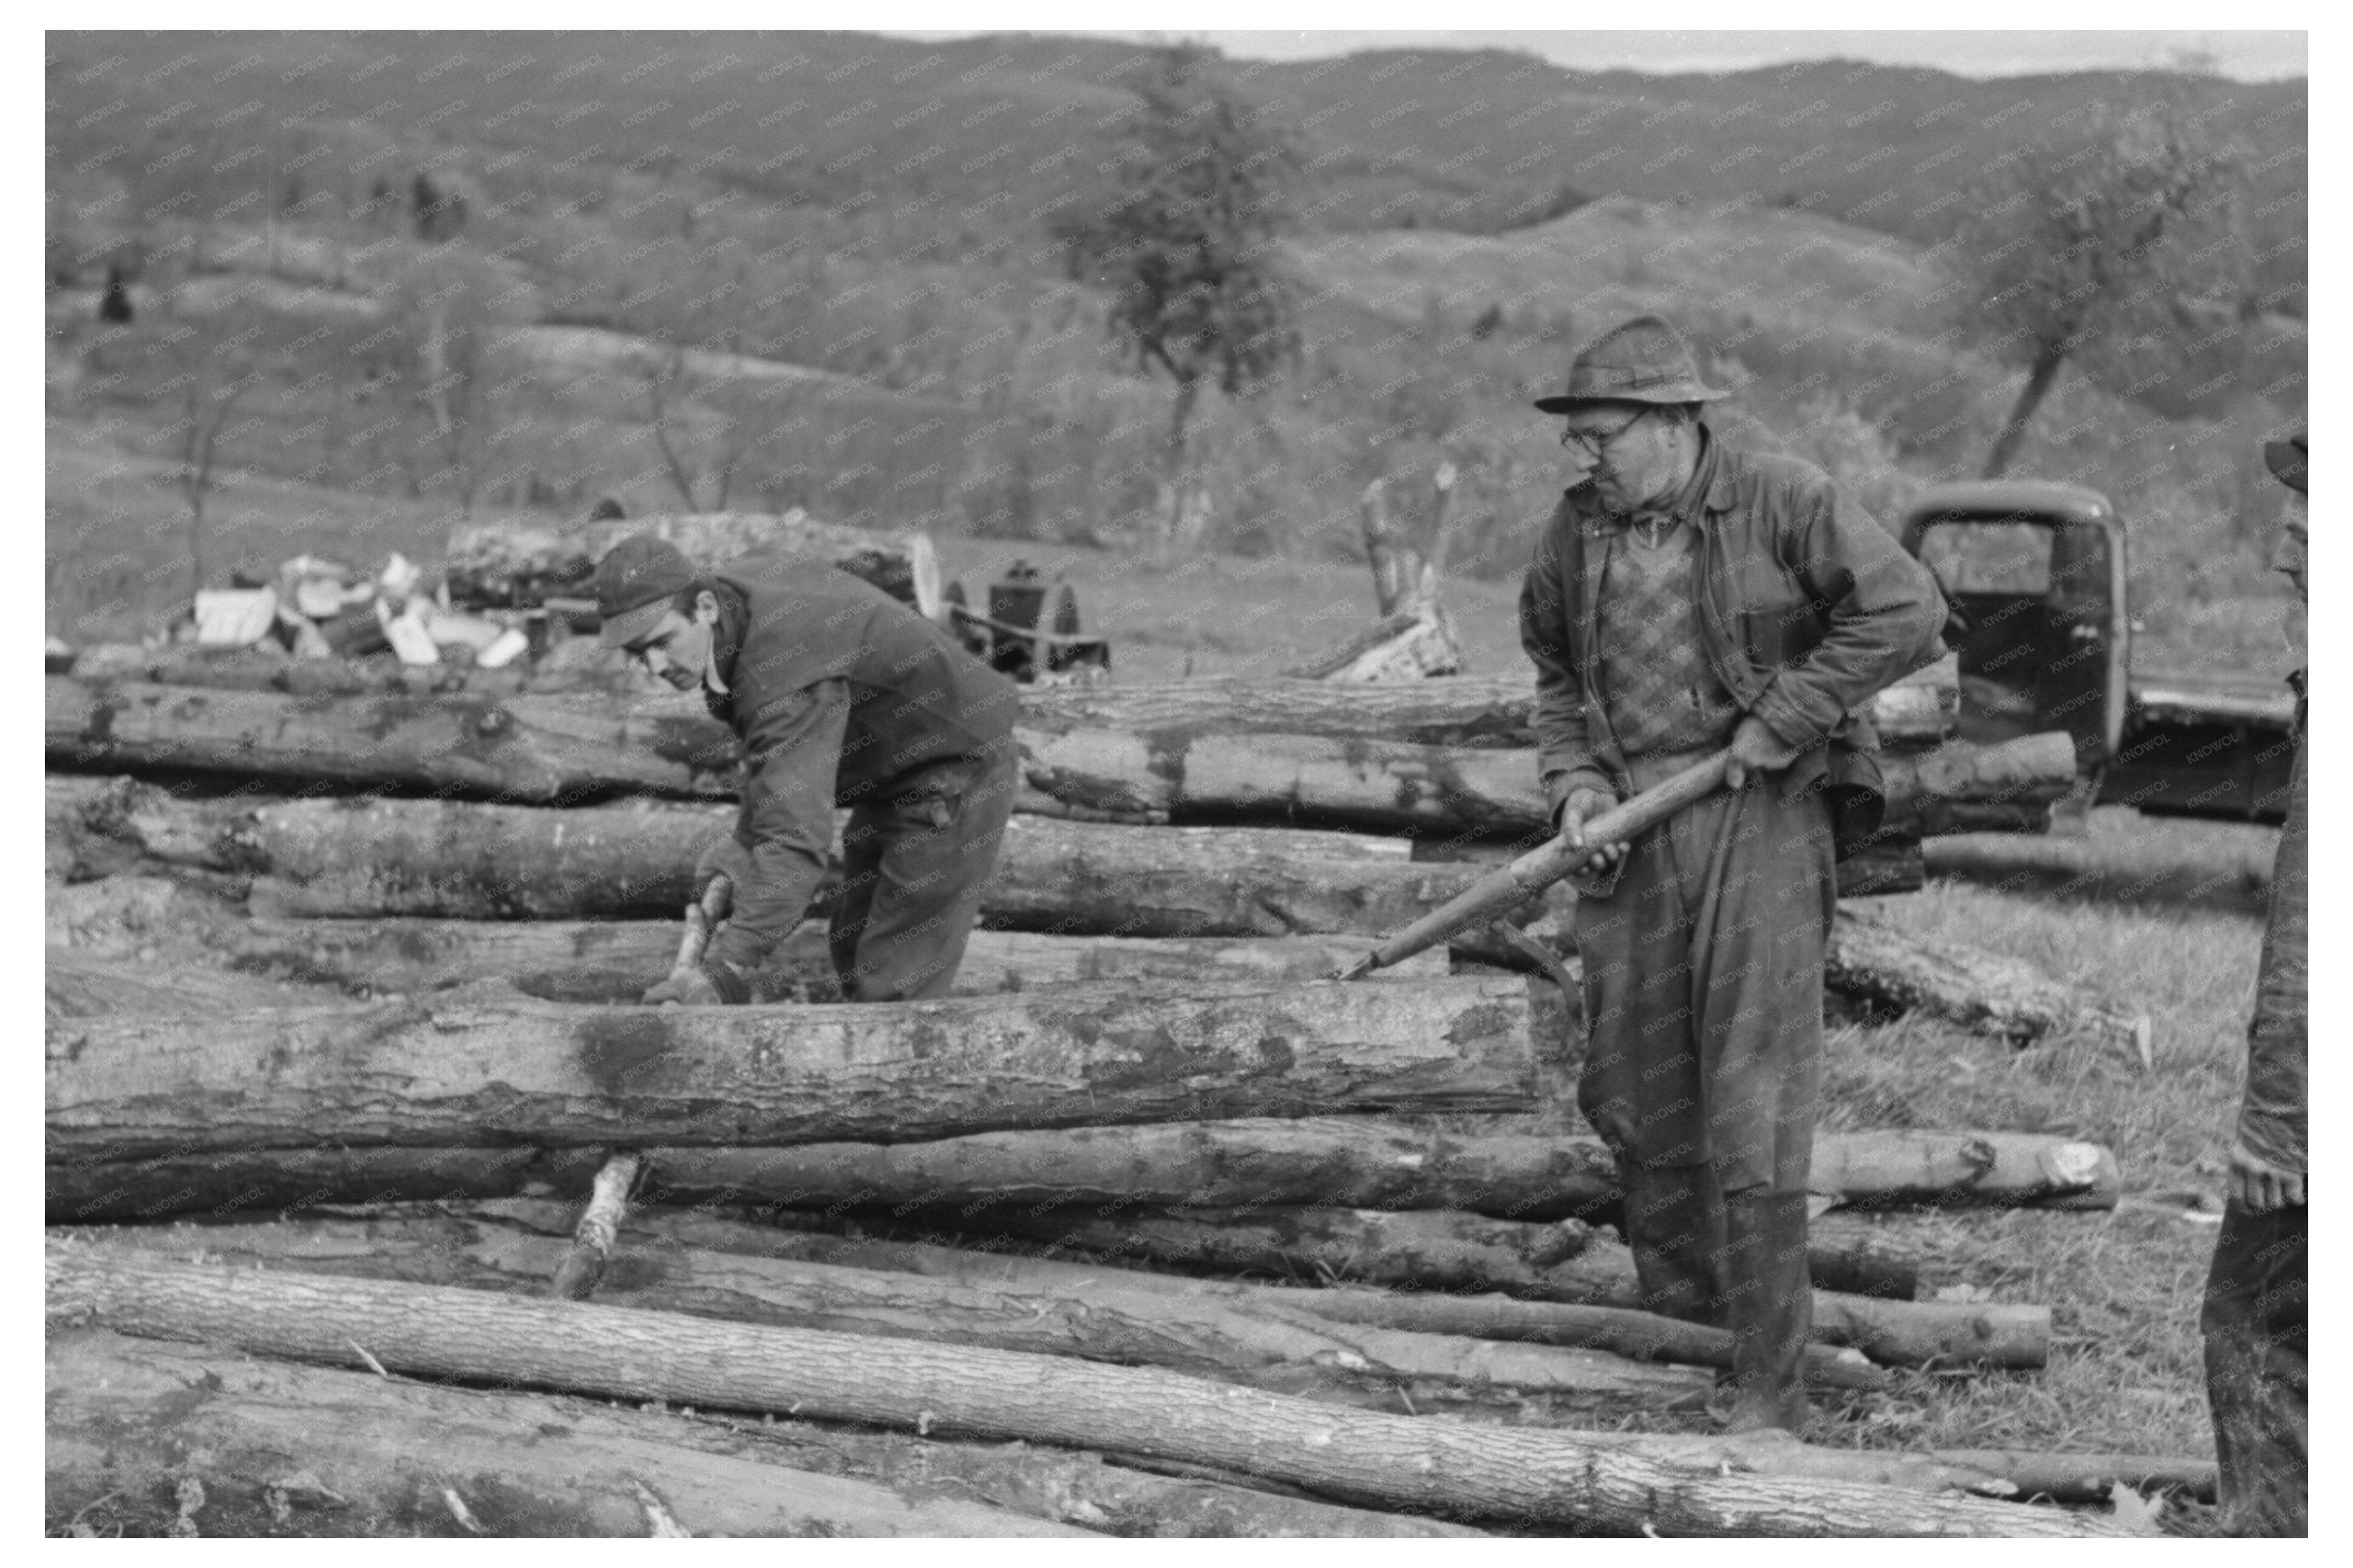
1025,780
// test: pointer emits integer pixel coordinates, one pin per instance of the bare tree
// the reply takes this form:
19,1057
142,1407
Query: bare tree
206,412
1187,245
724,455
2096,247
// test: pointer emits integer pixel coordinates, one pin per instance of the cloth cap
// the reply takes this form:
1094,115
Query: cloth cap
637,581
1642,361
2286,461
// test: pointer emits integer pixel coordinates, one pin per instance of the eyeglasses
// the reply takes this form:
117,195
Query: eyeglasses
1593,443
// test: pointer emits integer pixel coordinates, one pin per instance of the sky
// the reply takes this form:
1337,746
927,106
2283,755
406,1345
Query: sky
2243,55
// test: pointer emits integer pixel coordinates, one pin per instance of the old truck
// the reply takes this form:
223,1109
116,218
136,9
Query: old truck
2036,575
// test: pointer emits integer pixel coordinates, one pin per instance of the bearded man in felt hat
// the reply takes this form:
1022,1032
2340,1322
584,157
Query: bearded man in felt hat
841,696
1689,597
2254,1319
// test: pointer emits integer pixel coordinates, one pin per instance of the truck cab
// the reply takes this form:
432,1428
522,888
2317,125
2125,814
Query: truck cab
2035,574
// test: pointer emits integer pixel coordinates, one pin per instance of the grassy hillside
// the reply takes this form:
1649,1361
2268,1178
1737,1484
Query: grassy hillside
843,237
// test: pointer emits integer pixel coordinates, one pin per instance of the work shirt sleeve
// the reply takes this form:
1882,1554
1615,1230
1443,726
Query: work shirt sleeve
792,750
1566,758
1884,614
2272,1115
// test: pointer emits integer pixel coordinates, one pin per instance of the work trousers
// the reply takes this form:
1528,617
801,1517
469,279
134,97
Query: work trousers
913,873
2253,1323
1704,989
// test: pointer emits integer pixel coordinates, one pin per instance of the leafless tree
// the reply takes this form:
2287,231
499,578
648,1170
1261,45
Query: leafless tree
724,454
2090,247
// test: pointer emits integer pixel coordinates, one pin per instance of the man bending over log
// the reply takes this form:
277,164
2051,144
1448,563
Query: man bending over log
2256,1304
843,696
1687,596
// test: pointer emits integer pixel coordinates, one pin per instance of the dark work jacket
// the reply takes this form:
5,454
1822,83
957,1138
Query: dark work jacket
841,696
1807,608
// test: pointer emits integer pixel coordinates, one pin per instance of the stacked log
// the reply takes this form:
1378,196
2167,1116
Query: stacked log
1342,1162
569,749
1476,1471
487,1066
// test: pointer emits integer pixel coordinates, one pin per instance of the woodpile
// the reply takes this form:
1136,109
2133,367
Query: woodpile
1152,1230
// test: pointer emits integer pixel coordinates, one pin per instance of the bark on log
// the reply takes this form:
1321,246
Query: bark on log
273,1449
2086,1477
1460,710
540,748
1893,1333
371,856
575,748
1473,1471
1411,645
489,1066
614,961
1357,1162
515,562
1884,866
1421,1249
1983,992
1294,1353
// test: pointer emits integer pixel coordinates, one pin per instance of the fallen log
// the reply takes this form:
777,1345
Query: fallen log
614,961
513,562
155,1438
1295,1353
1981,991
1469,1469
487,1066
1357,1162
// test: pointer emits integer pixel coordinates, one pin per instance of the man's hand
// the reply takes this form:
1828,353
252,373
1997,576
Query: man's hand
2261,1187
1581,807
1756,748
689,987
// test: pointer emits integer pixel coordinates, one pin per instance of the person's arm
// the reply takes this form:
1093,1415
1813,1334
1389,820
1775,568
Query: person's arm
1885,613
1567,759
791,754
2270,1153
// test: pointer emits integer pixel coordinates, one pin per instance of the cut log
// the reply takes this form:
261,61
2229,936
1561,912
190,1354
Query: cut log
489,1067
513,562
1411,645
2086,1477
614,961
1298,1354
1539,1477
1406,1249
1982,992
155,1439
1915,1166
368,856
1421,1249
1357,1162
570,749
1881,867
541,749
1482,710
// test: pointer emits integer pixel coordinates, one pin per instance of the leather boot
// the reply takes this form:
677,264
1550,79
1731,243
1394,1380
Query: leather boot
1674,1221
1769,1308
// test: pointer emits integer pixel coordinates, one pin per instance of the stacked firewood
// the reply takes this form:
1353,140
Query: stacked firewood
1152,1230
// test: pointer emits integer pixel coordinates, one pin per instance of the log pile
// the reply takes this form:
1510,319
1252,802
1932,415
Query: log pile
1150,1230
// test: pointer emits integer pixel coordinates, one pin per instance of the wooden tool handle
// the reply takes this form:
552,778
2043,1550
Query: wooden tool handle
1540,867
702,917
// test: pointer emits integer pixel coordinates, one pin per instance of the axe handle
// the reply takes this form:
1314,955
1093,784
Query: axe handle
702,917
1540,867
